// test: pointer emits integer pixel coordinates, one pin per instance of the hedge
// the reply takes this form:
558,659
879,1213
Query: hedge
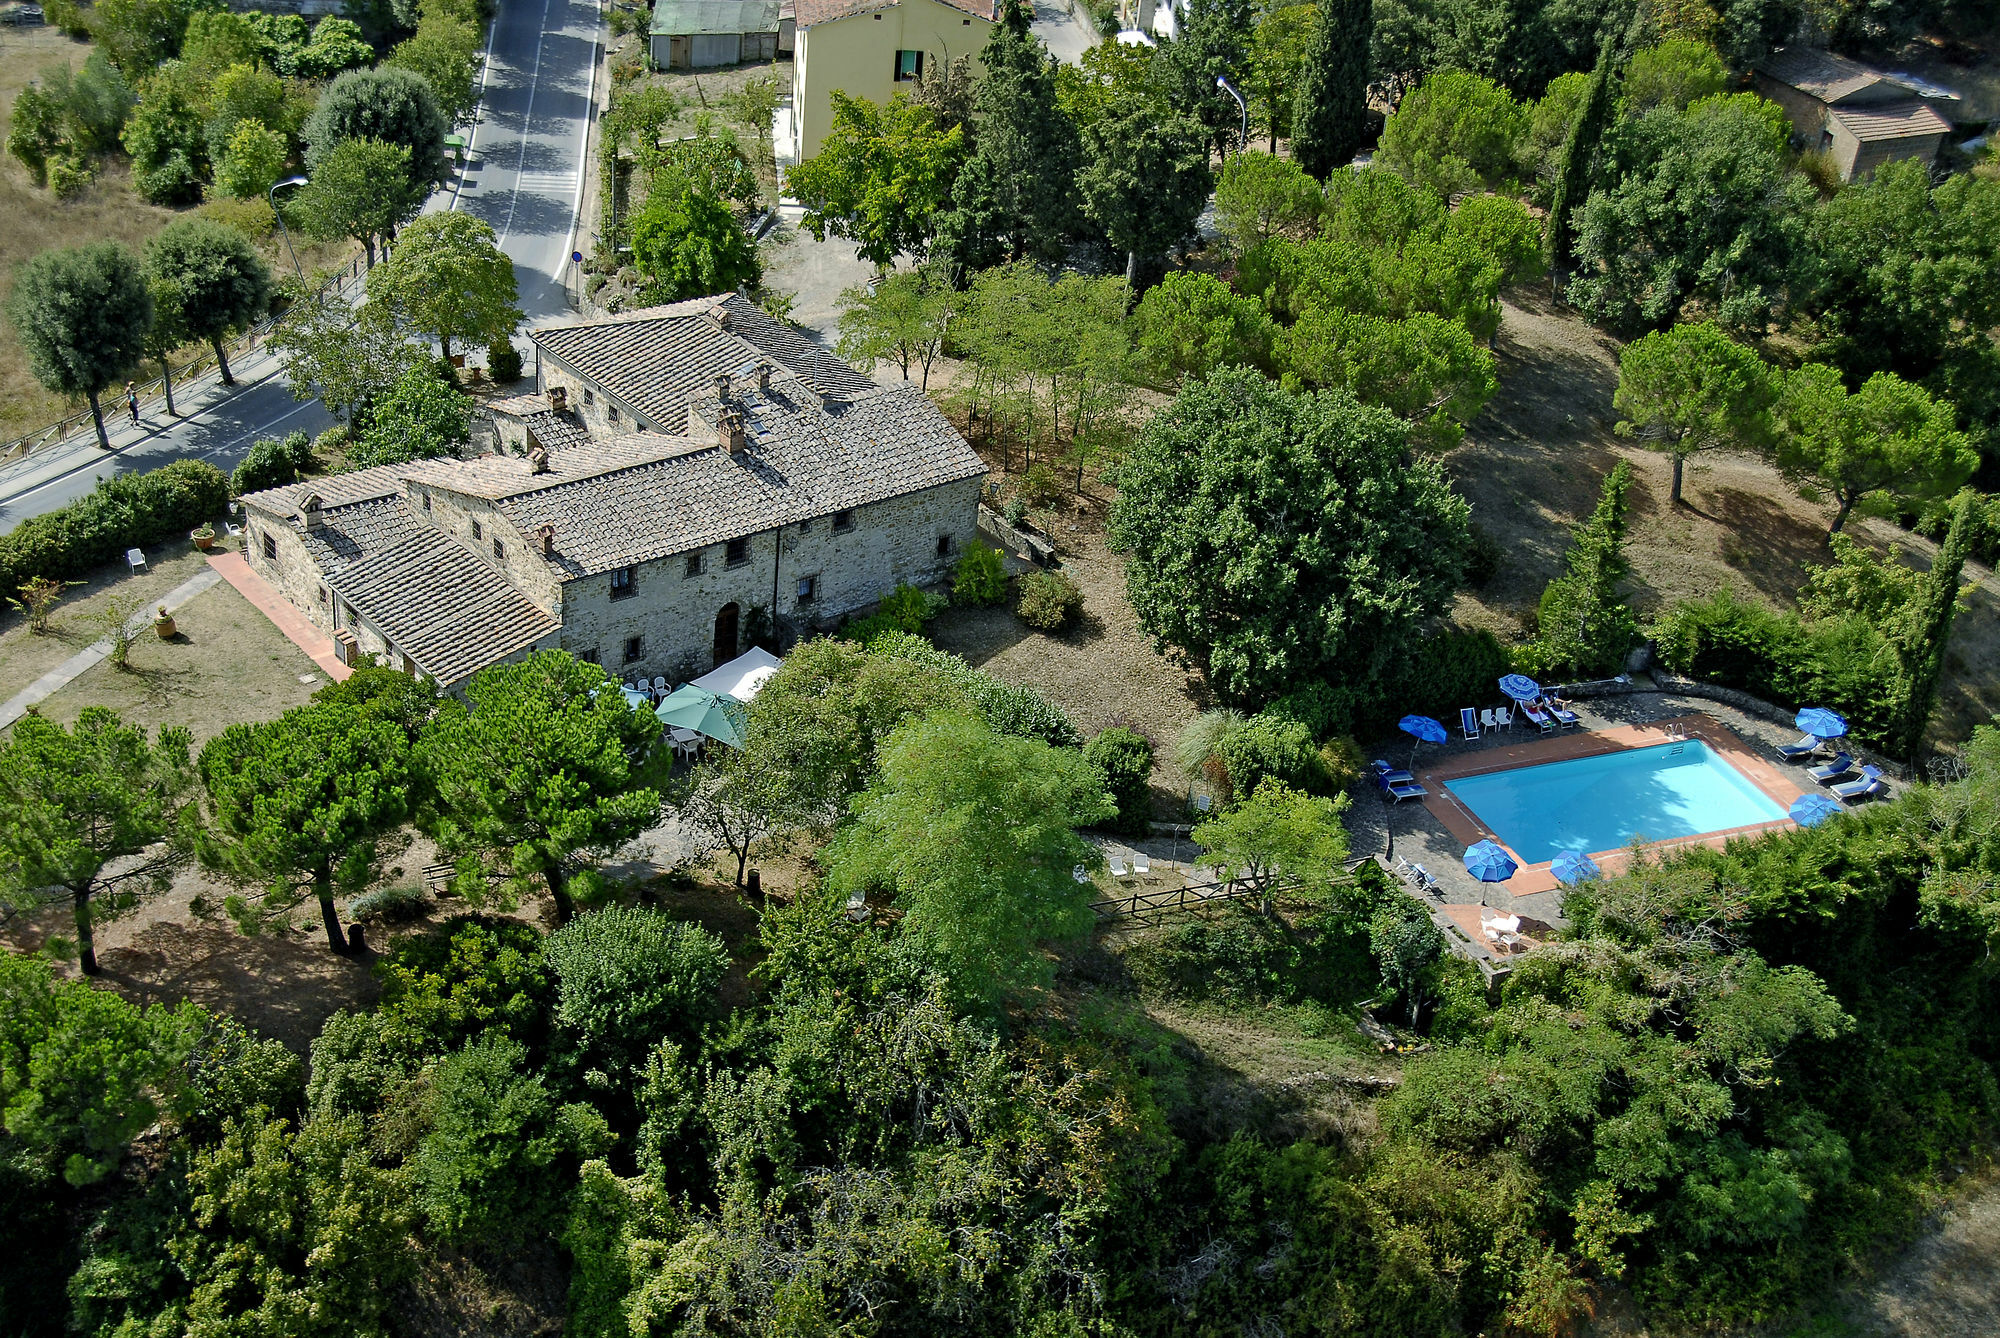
1006,707
130,511
1440,673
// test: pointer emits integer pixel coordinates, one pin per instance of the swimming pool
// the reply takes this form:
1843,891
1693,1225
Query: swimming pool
1601,803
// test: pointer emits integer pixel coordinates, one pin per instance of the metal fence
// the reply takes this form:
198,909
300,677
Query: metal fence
63,428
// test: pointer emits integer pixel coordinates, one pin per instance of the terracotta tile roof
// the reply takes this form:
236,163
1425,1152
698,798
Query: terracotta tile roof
825,11
350,533
334,490
1821,73
801,460
551,430
654,359
496,476
1898,120
442,605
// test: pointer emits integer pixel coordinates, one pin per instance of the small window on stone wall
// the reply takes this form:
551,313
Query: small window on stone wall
635,648
737,553
589,395
588,656
621,583
611,412
843,521
427,500
808,589
944,545
477,532
322,594
499,551
270,549
694,564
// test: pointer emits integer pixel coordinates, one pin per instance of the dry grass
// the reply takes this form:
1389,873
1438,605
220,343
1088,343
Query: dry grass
74,624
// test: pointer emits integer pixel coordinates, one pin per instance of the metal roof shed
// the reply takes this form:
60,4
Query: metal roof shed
701,34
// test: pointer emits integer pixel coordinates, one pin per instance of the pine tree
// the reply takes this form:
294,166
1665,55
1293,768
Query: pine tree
1330,109
1584,625
1015,196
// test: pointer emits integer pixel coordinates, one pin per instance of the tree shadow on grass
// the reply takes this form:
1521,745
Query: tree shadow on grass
1767,545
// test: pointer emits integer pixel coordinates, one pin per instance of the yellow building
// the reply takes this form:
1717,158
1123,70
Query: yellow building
873,49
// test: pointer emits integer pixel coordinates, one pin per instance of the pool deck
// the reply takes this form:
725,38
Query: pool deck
1532,750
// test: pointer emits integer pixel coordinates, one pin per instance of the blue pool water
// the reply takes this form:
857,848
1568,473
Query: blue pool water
1601,803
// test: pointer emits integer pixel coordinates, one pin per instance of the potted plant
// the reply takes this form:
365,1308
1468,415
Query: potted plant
163,622
203,536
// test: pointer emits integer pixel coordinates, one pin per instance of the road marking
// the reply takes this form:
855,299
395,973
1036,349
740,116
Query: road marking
527,119
257,431
546,180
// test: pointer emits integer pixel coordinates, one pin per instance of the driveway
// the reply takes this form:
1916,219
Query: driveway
1067,34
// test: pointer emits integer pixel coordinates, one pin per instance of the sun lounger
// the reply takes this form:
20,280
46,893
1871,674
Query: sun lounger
1539,720
1386,774
1568,719
1398,793
1468,722
1808,745
1869,786
1839,766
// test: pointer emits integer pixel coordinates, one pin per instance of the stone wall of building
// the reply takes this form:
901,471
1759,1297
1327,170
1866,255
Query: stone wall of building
293,573
674,614
601,417
478,523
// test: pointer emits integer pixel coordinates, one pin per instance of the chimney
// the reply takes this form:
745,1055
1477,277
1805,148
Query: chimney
719,313
310,509
559,399
764,378
729,430
722,387
546,537
538,461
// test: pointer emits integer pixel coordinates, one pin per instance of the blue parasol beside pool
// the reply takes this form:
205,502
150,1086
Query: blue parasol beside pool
1812,810
1521,688
1573,866
1822,723
1489,863
1424,730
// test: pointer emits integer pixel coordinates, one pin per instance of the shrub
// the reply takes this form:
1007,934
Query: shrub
1049,600
1482,558
1340,763
1041,486
909,608
503,361
1126,758
1269,745
627,976
1015,512
125,512
1007,708
981,578
1322,708
1448,670
393,905
273,462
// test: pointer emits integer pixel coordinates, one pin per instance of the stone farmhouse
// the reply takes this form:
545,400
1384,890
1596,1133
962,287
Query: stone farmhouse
1859,117
683,473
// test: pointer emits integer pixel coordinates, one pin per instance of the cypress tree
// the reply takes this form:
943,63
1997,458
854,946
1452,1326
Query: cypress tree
1925,628
1579,153
1330,109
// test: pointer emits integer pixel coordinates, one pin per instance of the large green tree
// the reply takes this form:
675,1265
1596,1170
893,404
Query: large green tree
1277,838
1189,324
294,806
882,177
394,106
1280,51
1015,195
82,316
1279,538
449,279
75,802
360,189
1259,196
1330,105
688,244
1454,131
1692,389
421,417
1889,436
343,357
975,835
222,282
539,768
1210,42
1144,180
1426,370
902,318
1584,626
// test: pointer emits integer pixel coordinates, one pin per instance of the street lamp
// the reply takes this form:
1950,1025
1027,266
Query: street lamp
272,195
1223,83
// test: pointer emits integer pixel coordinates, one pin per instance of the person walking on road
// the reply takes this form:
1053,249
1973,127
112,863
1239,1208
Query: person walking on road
132,402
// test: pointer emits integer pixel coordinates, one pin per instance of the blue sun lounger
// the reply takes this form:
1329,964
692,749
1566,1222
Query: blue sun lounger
1468,723
1807,746
1398,793
1388,775
1870,786
1836,767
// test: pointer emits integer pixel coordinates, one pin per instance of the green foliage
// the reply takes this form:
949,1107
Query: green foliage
503,362
342,357
1285,39
82,316
395,904
536,770
360,189
1125,756
1551,122
74,801
1888,437
229,1070
1573,170
627,977
1704,208
1426,370
900,317
974,833
1259,196
1330,104
125,511
165,137
882,177
1674,73
422,416
1454,131
1007,708
220,282
1049,600
390,105
1277,838
473,977
139,34
1505,231
1690,389
80,1068
980,577
688,244
448,279
1279,507
1584,626
1144,180
1189,324
444,50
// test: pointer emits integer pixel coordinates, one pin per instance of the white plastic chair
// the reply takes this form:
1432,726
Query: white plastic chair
1119,871
1142,867
659,685
135,559
1487,719
1503,717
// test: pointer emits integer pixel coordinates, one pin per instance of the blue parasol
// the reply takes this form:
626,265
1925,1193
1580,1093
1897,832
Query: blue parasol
1822,723
1573,866
1813,809
1521,688
1489,863
1424,730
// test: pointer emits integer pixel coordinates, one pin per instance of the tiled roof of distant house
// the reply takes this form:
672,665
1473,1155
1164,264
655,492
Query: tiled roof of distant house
1897,120
1821,73
441,605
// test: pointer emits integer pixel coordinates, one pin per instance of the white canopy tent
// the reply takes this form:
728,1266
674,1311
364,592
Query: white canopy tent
743,677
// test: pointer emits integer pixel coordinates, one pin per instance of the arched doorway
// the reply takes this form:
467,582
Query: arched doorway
725,635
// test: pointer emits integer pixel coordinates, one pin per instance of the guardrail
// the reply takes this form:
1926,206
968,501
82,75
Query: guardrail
21,447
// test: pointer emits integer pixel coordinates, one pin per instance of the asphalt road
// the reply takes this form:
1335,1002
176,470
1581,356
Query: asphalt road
525,164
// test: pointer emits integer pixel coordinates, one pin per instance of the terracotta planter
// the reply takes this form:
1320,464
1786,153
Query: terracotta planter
164,627
203,541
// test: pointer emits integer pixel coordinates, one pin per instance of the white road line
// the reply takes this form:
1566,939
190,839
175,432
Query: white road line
527,119
259,431
589,116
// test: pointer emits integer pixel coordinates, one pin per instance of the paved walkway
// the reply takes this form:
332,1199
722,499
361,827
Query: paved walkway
76,665
232,568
